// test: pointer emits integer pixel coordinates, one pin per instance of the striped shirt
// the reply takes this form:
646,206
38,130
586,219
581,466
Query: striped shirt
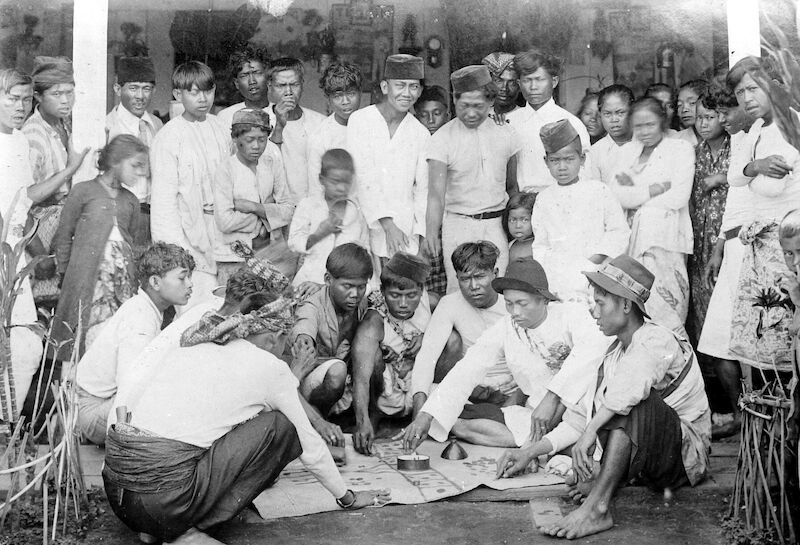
48,154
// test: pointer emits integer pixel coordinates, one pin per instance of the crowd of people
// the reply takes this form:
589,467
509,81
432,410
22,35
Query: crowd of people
233,285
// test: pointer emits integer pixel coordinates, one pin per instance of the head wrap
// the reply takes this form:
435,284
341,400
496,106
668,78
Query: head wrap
409,266
524,275
625,277
404,67
52,70
557,135
276,280
252,117
498,62
135,69
470,78
275,316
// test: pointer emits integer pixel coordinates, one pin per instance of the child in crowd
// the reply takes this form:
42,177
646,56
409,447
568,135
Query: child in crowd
165,279
322,222
326,321
341,84
386,345
789,234
688,95
185,156
251,197
575,222
519,211
93,245
432,108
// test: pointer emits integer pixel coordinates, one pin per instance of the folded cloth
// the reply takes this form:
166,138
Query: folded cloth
147,464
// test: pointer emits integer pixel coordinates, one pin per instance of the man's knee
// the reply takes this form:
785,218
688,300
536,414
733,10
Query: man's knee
336,376
452,353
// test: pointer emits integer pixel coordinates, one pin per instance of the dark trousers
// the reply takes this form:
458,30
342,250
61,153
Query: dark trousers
228,477
656,443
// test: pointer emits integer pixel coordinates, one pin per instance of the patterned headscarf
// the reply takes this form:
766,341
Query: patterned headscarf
275,316
276,280
498,62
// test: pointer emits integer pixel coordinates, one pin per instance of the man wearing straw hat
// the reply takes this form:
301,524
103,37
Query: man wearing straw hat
551,349
649,413
215,426
471,171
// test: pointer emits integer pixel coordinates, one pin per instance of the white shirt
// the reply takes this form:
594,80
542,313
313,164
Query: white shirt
308,216
266,186
121,121
183,160
532,172
121,339
601,160
455,313
392,174
739,202
294,150
558,356
202,392
570,224
772,198
662,221
329,135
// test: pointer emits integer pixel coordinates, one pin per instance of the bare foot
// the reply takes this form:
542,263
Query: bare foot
579,490
193,536
728,429
584,521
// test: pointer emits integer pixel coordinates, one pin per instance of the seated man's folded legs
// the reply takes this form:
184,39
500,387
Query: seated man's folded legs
324,386
452,353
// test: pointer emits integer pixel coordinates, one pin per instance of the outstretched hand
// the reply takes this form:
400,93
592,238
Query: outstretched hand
513,462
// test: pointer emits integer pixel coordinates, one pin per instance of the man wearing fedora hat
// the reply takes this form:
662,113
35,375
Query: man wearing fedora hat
551,350
649,410
471,172
134,87
388,147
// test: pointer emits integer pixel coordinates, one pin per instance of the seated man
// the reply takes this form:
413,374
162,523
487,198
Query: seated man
551,351
458,321
650,411
386,343
243,288
325,322
165,274
215,426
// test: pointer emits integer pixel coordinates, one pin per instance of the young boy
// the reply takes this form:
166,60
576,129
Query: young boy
327,321
183,159
388,148
538,74
432,108
471,171
341,84
575,220
248,69
251,198
165,275
386,343
321,223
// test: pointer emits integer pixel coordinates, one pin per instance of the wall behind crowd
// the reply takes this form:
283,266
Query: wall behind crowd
630,41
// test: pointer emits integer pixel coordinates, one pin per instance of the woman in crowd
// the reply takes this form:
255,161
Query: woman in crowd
589,115
707,203
53,160
666,96
614,102
93,244
653,184
688,95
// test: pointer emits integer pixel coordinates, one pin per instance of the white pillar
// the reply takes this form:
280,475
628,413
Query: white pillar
89,53
744,31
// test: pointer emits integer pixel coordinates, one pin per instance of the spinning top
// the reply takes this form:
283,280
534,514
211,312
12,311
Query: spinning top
454,451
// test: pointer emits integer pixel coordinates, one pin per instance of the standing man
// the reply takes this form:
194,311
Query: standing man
538,77
471,170
248,69
136,82
501,66
388,146
293,124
